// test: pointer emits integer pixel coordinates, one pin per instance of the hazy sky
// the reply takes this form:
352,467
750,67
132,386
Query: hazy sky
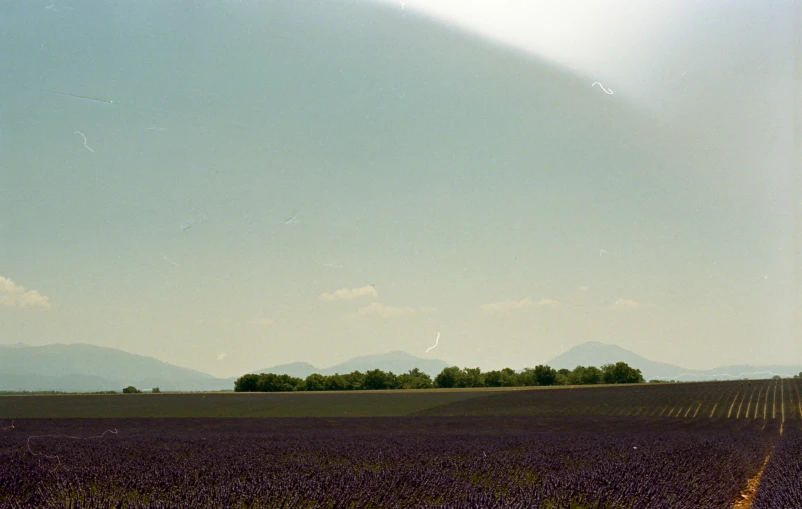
243,184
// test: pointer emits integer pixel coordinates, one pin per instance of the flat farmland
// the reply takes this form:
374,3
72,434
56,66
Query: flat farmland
243,404
729,445
337,462
754,399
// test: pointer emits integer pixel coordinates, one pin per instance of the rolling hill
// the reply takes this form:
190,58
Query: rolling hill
87,368
396,361
296,369
594,353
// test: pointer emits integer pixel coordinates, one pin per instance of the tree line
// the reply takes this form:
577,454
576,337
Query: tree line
450,377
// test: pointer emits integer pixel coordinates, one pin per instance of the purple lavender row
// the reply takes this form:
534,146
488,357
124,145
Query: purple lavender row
781,483
383,462
742,399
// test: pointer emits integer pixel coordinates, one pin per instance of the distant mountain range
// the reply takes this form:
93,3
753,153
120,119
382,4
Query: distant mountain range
89,368
396,361
594,353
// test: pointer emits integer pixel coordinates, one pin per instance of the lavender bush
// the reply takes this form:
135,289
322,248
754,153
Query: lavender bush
382,462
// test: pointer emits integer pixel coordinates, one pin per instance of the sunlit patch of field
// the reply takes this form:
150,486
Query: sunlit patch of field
748,399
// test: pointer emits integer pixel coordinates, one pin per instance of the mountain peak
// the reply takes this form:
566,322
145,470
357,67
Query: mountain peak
596,353
597,344
87,367
396,361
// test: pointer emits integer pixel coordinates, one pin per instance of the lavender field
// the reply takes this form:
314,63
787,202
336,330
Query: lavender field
737,399
781,482
514,461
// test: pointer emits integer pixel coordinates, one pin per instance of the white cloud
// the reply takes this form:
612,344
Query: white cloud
16,296
512,305
350,294
626,304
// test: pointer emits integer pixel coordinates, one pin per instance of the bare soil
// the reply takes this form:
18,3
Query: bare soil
746,497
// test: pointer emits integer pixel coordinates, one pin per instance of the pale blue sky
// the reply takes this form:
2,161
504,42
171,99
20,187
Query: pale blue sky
489,192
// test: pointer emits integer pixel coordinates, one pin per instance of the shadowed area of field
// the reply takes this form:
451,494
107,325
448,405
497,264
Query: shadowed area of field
297,404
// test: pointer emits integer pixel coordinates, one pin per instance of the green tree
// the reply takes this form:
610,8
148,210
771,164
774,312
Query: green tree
315,382
582,375
544,375
472,377
414,379
131,390
526,378
354,380
575,378
376,379
296,383
621,373
449,378
509,378
493,378
335,382
593,375
506,377
271,382
247,383
155,390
